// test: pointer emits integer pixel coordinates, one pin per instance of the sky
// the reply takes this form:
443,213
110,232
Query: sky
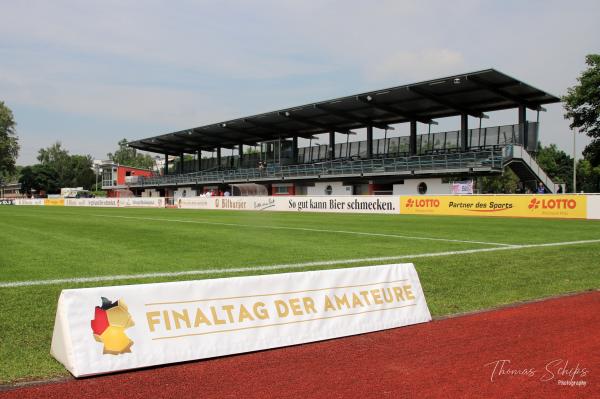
90,73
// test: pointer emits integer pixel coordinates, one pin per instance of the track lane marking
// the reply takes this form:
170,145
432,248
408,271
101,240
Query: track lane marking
282,266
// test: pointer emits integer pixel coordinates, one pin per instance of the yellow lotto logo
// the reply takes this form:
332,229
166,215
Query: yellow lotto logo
543,206
54,202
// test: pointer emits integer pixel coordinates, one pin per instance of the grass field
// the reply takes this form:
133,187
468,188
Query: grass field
464,264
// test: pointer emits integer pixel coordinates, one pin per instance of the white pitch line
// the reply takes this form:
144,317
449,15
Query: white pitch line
362,233
283,266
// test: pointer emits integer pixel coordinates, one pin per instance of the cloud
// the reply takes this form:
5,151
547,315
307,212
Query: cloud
421,64
189,63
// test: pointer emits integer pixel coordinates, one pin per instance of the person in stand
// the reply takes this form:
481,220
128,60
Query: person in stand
541,189
227,193
560,189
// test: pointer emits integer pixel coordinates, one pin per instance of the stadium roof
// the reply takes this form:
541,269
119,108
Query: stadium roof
471,93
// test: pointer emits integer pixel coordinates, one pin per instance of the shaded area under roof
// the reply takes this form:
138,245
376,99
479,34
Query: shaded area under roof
471,93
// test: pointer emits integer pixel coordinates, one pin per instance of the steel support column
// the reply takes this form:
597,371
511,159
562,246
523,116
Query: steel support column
181,159
523,136
199,168
369,142
219,157
412,140
166,164
331,145
464,132
295,149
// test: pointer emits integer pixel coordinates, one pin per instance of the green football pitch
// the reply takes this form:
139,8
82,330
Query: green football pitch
464,264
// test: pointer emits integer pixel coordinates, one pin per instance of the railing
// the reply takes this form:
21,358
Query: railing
518,152
487,160
392,147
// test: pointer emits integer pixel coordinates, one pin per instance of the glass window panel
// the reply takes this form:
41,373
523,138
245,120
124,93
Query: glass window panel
491,136
338,150
404,144
452,139
323,152
362,149
343,150
438,141
393,145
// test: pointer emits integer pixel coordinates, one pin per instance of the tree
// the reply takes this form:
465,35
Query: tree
39,178
582,104
506,183
557,164
65,170
588,177
57,158
128,156
9,142
81,172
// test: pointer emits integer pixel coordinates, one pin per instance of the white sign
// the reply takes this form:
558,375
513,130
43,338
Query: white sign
113,202
29,201
94,202
462,187
344,204
337,204
142,202
107,329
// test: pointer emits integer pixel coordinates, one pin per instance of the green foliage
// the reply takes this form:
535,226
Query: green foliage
592,152
99,193
9,142
81,172
506,183
56,158
582,104
588,177
57,169
38,178
128,156
557,164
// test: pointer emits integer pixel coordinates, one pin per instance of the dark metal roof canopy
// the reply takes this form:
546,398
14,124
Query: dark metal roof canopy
471,93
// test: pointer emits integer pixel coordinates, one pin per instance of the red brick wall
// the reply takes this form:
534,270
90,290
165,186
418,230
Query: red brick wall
122,171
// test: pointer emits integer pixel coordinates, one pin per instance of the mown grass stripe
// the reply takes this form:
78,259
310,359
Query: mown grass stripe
362,233
282,266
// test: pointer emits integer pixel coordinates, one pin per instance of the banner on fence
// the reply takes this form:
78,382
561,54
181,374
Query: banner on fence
54,202
336,204
29,201
565,206
107,329
543,206
462,187
132,202
142,202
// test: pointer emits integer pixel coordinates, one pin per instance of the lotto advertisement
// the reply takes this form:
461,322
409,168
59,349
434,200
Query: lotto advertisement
530,206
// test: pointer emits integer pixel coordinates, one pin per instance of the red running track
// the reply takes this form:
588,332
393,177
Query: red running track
554,340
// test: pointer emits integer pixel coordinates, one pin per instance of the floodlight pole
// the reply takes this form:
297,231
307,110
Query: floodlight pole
574,163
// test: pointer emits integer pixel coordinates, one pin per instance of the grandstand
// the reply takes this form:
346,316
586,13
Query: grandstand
390,165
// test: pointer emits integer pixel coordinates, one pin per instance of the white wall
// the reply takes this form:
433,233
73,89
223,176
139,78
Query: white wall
434,186
188,192
150,193
593,206
336,186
